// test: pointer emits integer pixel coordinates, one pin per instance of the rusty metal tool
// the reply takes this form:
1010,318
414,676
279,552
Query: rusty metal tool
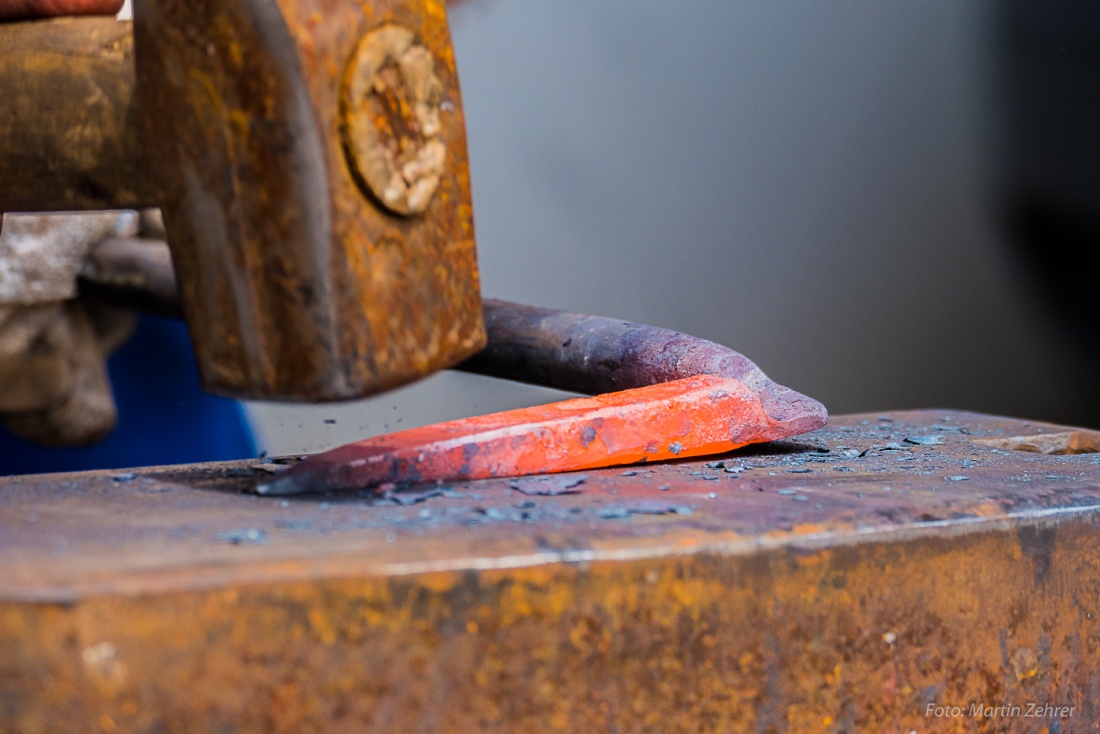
659,394
309,157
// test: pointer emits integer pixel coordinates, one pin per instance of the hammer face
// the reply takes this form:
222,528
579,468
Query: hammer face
270,124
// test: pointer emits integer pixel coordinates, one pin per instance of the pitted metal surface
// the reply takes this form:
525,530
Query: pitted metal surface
843,581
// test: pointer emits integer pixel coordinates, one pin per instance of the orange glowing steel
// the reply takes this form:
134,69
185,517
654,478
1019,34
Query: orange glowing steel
693,416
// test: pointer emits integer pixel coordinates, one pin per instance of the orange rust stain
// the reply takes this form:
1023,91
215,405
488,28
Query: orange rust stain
810,528
987,509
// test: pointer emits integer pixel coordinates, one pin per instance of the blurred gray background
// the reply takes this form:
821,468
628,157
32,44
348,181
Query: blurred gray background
826,187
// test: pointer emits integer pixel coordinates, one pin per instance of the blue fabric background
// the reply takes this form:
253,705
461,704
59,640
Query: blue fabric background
164,418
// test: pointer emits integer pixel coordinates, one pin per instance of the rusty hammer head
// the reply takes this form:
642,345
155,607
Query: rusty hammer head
310,160
311,156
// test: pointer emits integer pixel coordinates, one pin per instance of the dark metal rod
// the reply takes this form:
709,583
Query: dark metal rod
585,354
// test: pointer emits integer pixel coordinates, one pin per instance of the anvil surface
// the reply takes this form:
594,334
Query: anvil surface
842,581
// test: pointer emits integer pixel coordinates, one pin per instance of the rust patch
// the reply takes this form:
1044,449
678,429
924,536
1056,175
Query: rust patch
390,108
1061,443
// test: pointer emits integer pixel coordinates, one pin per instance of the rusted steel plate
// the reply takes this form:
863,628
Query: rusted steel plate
841,582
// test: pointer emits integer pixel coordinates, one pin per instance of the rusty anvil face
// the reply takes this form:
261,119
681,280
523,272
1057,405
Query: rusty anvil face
310,160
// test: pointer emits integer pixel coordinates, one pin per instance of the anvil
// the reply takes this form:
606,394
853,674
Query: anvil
846,580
